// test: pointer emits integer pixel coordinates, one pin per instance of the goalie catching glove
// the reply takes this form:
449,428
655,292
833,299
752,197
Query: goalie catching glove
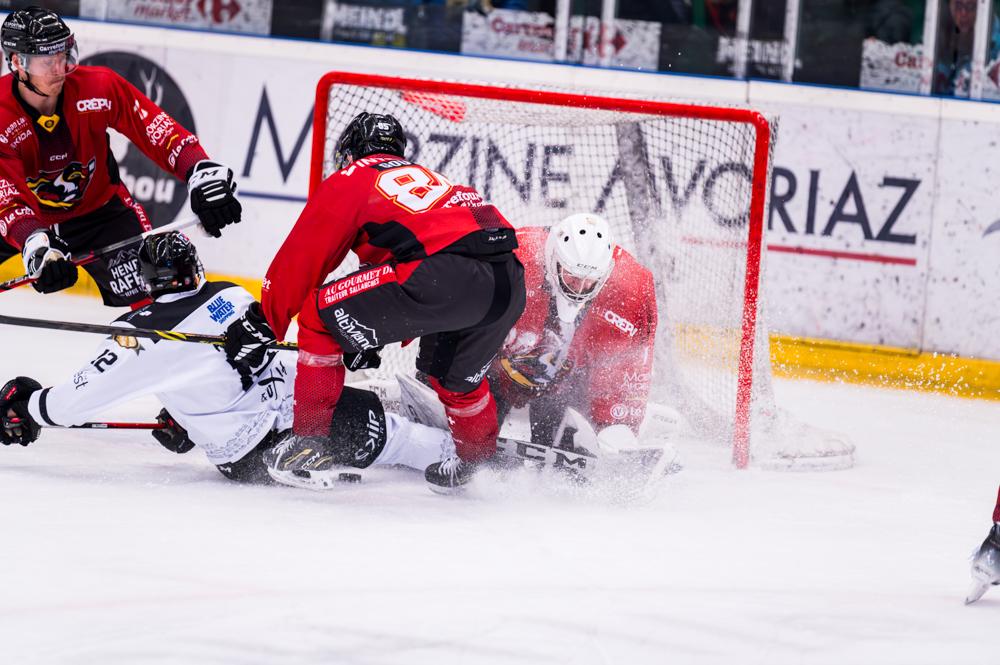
46,260
16,424
537,367
213,196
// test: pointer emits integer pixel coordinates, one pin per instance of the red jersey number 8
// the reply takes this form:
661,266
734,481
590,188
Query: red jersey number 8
412,188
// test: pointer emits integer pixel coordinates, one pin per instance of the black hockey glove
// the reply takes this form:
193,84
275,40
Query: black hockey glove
173,437
213,196
367,359
248,338
46,259
16,424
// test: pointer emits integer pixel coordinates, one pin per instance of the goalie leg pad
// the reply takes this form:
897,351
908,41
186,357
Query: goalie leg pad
414,445
358,429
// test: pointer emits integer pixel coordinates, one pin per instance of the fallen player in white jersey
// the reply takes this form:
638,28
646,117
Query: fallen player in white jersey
234,414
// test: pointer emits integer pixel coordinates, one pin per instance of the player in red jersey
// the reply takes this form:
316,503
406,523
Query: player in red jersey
986,563
586,337
437,263
60,193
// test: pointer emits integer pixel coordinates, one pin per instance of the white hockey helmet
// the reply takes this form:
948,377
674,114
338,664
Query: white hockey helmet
579,256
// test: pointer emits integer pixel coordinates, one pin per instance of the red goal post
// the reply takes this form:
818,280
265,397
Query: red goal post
391,94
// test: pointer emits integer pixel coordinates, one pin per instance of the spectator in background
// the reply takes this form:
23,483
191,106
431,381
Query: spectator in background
486,6
721,15
890,21
658,11
954,53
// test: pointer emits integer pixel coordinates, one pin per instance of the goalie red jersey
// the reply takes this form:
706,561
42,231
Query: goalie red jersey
590,348
60,167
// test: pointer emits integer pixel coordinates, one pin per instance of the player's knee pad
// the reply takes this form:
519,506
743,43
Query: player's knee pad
358,429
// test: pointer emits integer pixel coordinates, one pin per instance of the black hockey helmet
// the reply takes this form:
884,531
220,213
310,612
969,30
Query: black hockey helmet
169,263
369,134
37,31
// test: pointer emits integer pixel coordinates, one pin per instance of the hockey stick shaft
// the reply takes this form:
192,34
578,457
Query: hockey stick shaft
24,279
90,257
117,426
99,329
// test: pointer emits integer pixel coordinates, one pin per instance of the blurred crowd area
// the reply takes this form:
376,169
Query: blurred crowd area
917,46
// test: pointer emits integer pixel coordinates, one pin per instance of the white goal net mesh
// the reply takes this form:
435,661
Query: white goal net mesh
676,191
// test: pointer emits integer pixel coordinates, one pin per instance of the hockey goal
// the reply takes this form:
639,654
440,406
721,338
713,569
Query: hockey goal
683,186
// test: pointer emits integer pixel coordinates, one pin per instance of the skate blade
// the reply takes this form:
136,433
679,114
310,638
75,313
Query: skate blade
976,592
446,491
982,579
317,481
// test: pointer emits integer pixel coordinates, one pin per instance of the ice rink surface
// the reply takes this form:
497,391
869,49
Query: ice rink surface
113,550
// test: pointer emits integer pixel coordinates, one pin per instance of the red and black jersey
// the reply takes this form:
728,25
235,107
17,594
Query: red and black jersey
386,209
58,167
610,354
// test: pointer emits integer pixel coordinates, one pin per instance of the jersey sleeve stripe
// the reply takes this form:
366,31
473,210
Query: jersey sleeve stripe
43,408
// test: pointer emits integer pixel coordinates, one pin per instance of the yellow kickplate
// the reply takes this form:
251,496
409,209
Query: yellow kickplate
791,357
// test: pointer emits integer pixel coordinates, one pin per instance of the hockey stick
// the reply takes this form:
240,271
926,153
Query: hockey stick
114,426
118,331
92,256
24,279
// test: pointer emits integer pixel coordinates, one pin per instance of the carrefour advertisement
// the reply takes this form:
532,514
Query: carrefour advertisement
518,34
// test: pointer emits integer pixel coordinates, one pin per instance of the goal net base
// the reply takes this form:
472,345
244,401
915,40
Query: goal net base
684,188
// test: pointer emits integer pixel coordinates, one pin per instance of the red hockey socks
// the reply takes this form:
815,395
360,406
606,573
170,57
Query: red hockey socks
473,420
996,511
319,377
319,380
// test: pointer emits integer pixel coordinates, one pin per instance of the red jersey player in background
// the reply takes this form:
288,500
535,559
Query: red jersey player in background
986,563
586,337
437,263
60,193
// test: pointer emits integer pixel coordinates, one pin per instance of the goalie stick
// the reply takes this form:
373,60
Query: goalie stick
118,331
92,256
418,403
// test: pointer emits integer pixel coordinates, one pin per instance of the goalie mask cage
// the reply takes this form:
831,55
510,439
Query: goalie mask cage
683,187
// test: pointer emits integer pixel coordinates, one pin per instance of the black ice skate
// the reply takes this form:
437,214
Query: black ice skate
449,476
985,566
300,453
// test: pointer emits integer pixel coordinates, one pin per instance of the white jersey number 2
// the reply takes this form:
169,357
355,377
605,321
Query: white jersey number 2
413,188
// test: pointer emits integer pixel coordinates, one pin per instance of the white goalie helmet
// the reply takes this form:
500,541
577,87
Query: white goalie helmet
579,256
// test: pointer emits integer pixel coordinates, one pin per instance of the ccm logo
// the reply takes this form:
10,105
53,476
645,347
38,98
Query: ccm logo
93,104
621,323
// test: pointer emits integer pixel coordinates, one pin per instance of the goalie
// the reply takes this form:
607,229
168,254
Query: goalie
585,340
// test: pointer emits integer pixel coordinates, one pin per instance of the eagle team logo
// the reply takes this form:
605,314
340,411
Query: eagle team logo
63,188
